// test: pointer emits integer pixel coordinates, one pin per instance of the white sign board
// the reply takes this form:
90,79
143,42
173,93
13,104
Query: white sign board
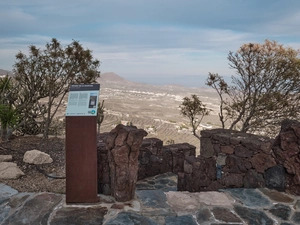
83,100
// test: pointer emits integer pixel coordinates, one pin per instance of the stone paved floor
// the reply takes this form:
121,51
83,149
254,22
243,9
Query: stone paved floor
156,202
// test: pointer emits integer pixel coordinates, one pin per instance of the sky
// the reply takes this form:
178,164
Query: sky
151,41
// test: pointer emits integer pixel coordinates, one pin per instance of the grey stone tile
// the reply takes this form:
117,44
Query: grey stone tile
152,198
79,216
281,211
6,192
129,218
203,215
296,217
225,215
253,216
180,220
249,197
36,210
276,195
13,204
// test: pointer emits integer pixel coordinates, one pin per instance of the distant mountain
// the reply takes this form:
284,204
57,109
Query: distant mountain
4,72
111,77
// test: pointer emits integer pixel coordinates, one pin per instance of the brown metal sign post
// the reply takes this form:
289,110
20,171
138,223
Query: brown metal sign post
81,144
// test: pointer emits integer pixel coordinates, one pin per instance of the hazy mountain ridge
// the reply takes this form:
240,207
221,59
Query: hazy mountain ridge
113,80
5,72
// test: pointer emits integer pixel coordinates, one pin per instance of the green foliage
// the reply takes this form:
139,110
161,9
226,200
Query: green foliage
194,110
43,79
8,119
8,115
264,91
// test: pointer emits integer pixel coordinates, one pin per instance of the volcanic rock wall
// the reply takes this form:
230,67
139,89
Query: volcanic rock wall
153,159
231,159
228,159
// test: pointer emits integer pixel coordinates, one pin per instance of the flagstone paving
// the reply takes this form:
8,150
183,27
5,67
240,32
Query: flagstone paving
157,202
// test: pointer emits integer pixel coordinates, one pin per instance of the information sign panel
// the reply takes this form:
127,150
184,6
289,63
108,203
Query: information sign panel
83,100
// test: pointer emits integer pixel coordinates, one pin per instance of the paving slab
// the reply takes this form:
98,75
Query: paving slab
249,197
156,204
180,220
129,218
79,216
253,216
6,192
35,210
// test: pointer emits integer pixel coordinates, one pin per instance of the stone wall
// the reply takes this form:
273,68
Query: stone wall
230,159
154,159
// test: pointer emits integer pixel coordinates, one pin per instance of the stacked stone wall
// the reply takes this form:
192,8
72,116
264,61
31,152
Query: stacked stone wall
228,159
153,159
231,159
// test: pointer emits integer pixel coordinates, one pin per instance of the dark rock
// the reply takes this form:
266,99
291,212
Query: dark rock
6,192
252,179
153,198
206,133
296,217
215,186
275,178
203,215
225,215
123,145
13,203
249,197
126,218
207,149
253,216
187,167
222,137
243,152
227,149
286,150
277,196
235,164
288,141
233,180
235,140
181,182
78,216
281,211
207,167
257,143
217,148
35,210
262,161
179,220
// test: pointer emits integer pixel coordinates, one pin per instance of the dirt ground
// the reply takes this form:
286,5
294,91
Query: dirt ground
38,178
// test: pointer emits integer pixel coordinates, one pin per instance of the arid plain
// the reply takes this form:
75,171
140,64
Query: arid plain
150,107
153,108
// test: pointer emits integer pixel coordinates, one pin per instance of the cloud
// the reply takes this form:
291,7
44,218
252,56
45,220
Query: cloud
149,37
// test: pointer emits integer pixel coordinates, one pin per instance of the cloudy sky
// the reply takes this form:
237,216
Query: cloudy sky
154,41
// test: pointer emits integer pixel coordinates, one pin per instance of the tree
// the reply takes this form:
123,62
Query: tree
44,78
8,119
8,114
264,91
194,110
